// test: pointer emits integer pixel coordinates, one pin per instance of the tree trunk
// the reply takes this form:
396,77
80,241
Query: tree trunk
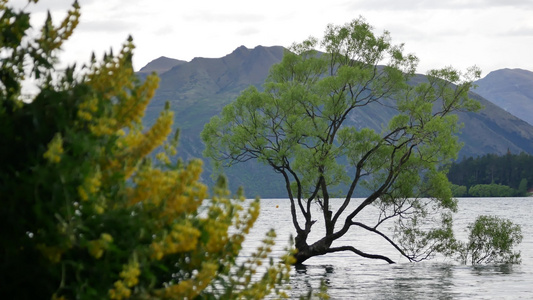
305,251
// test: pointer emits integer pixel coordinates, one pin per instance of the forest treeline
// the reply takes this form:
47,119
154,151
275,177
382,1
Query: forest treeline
492,175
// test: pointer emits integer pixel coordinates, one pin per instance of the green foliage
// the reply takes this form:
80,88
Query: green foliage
491,240
509,169
491,190
299,127
87,212
459,190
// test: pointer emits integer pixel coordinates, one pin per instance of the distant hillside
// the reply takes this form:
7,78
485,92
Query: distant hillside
160,65
199,89
510,89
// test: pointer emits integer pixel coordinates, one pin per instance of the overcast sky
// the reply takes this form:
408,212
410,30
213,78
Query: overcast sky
492,34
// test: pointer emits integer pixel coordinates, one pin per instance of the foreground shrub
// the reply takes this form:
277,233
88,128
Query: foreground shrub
87,213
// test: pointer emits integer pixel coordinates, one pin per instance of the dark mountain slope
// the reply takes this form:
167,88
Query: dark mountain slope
510,89
493,130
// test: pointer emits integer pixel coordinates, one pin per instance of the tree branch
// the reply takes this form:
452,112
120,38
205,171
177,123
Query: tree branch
305,212
291,197
360,253
383,236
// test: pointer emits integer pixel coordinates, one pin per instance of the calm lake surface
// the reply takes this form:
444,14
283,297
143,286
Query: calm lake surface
349,276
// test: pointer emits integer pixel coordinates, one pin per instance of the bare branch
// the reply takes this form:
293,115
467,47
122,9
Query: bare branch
374,230
360,253
291,197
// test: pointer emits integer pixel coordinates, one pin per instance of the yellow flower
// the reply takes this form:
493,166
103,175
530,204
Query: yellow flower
104,126
106,237
90,186
84,115
163,157
130,274
95,182
192,287
55,149
99,209
97,247
120,291
82,193
157,251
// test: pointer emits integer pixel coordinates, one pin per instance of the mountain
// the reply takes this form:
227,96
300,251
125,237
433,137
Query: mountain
160,65
510,89
199,89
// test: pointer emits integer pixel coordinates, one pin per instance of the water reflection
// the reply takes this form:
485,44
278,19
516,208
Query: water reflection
302,269
485,270
401,281
306,278
421,281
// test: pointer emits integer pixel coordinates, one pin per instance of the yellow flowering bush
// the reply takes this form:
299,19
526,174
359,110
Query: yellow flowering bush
95,205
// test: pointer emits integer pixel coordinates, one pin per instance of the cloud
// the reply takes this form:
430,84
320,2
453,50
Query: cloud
527,4
248,31
107,26
164,30
59,6
522,31
420,5
208,16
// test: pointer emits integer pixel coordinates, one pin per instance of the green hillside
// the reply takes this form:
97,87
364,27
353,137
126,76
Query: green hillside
199,89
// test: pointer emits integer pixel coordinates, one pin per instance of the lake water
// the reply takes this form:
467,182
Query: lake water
349,276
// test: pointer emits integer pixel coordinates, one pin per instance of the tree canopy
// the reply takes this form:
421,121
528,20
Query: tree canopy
303,124
491,240
87,211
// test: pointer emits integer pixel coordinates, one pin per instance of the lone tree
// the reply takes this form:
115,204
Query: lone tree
300,126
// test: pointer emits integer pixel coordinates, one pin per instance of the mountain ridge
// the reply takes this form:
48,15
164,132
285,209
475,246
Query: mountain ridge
199,89
510,89
160,65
